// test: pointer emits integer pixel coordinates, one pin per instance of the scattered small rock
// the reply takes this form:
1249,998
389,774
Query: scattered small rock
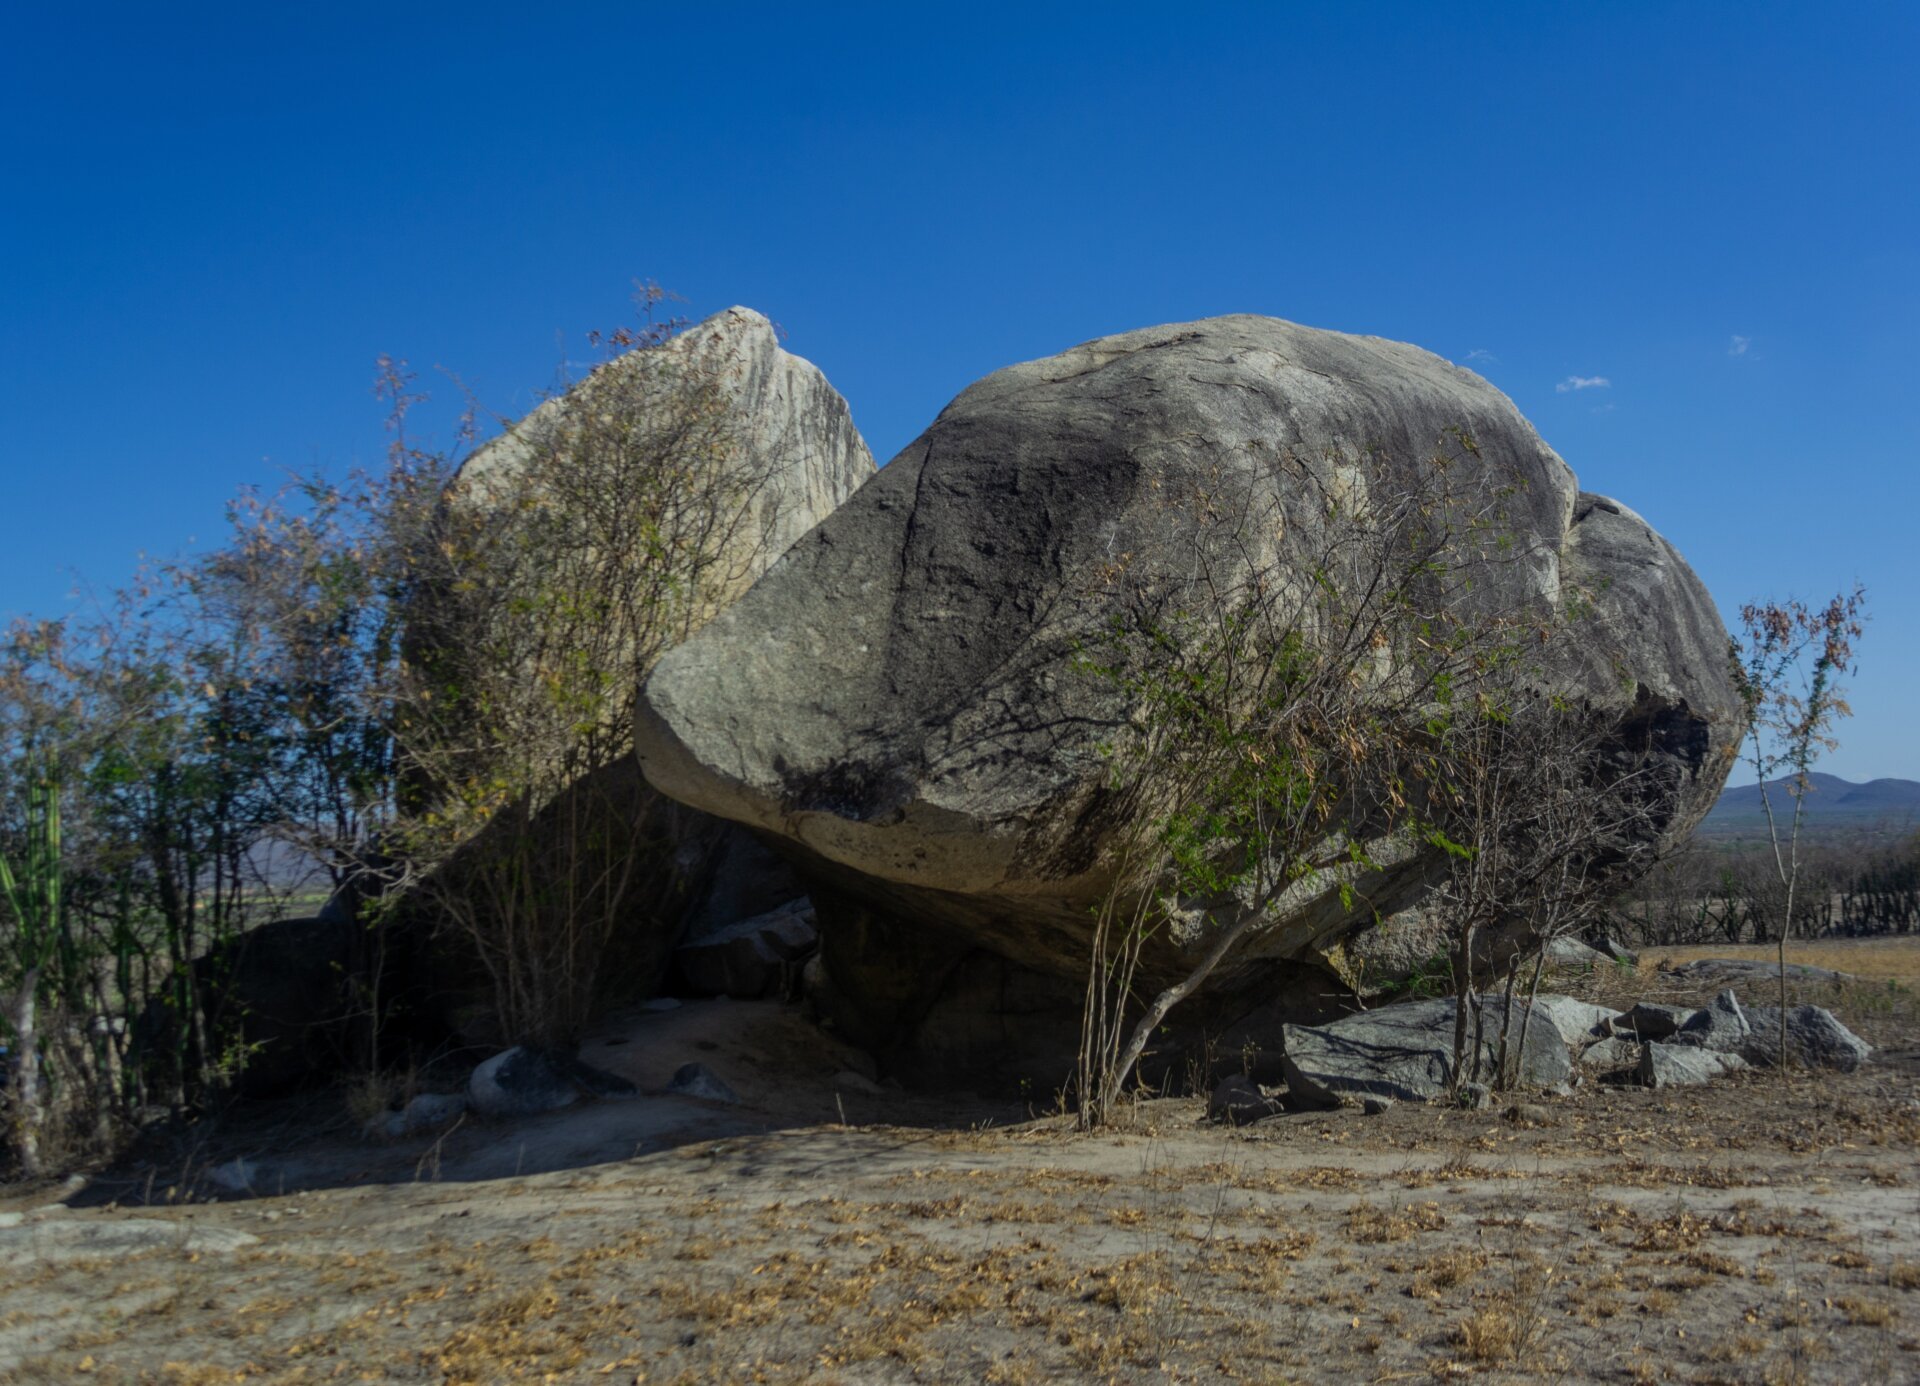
1721,1027
697,1080
519,1082
1376,1106
1682,1066
1648,1021
1238,1101
1529,1114
661,1003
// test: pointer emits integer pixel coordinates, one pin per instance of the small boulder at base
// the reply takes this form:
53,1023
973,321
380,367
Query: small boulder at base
1721,1026
697,1080
1406,1052
521,1082
1815,1039
1681,1066
1648,1021
1238,1101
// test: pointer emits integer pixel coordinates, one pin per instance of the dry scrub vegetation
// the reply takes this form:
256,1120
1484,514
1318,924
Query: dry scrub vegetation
1759,1231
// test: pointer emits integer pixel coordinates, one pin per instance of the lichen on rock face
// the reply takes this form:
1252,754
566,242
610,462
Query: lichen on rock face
897,699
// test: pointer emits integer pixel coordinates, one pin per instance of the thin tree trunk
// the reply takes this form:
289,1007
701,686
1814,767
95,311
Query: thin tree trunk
28,1116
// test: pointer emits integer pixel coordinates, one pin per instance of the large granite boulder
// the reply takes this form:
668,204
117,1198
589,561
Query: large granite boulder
898,700
724,384
770,449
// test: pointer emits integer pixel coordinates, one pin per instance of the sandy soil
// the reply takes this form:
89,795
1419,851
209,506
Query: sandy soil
1764,1230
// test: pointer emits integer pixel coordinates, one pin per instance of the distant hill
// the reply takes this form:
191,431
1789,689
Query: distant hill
1834,805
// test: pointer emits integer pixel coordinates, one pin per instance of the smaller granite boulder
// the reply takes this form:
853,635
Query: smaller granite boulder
1721,1027
1815,1039
520,1082
1616,1052
697,1080
428,1112
1238,1101
1683,1066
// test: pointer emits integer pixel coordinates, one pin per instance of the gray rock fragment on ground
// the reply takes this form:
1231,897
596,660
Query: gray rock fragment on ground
1238,1101
697,1080
1682,1066
1721,1026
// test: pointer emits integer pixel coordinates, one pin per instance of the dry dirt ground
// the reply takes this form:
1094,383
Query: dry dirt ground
1764,1230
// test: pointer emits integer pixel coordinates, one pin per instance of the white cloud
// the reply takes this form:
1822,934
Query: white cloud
1481,354
1583,382
1738,345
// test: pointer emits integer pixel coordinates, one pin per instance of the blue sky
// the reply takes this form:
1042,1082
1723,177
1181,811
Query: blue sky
214,218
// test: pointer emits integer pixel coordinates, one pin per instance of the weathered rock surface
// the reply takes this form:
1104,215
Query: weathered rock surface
697,1080
1406,1052
1680,1066
897,697
1815,1039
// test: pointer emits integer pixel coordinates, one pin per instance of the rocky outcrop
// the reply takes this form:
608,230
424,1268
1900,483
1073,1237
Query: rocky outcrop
897,700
